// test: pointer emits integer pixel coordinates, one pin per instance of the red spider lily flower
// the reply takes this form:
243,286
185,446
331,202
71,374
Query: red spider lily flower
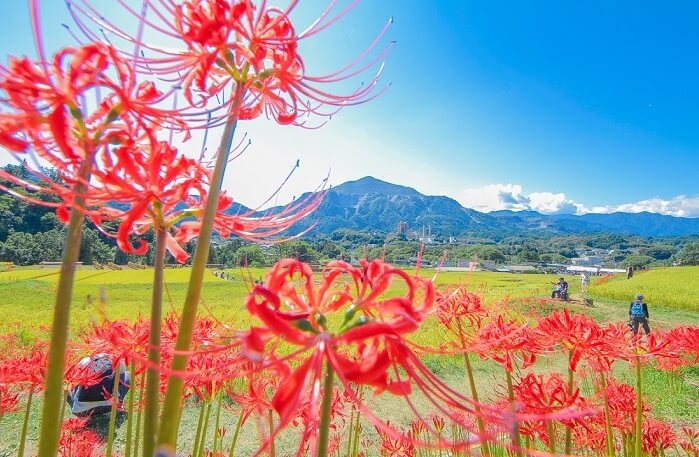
77,440
369,346
575,333
601,357
150,183
658,346
657,437
9,398
460,312
251,50
591,437
31,368
157,187
621,399
401,446
123,342
685,340
59,126
208,371
502,340
543,395
690,442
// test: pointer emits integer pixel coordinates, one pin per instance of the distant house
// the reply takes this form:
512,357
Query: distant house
588,261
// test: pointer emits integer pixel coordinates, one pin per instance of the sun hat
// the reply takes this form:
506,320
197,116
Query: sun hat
639,296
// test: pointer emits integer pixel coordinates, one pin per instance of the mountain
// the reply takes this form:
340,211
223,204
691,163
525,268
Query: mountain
371,204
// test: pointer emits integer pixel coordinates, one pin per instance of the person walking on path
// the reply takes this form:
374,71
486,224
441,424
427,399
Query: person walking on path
584,283
638,315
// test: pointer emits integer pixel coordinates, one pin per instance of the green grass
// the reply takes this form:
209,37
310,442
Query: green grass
674,287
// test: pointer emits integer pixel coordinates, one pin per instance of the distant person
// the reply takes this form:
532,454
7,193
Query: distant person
584,282
638,315
96,398
556,293
629,272
564,289
560,290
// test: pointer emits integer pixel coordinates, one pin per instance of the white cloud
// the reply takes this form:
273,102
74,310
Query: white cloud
511,196
681,206
495,197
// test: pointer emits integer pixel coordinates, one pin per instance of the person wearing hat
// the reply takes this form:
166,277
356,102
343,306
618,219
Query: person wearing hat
638,315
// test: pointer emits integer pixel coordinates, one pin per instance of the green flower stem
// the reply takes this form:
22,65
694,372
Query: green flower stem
238,426
204,430
357,434
325,410
25,424
569,430
112,413
129,418
217,422
516,441
53,393
639,410
607,418
474,393
200,421
172,405
150,426
63,406
350,439
139,415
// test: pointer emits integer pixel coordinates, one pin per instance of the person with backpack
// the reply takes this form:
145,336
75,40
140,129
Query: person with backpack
95,398
638,315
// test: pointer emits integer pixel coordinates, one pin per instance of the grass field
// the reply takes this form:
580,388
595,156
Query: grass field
27,299
667,287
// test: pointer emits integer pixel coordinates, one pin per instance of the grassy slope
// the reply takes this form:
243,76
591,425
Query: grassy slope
28,297
663,287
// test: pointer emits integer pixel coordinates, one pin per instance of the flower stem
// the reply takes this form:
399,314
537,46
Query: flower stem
231,453
139,415
272,451
569,430
200,422
129,418
639,410
552,437
325,409
516,442
204,430
150,426
351,431
217,422
172,405
112,413
53,393
25,424
607,418
474,394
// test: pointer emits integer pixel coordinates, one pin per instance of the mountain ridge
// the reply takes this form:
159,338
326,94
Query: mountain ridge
369,203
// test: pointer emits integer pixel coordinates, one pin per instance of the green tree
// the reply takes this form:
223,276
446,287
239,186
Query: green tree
251,255
638,261
20,248
689,255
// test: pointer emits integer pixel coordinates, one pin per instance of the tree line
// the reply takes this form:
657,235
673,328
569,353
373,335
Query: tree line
31,234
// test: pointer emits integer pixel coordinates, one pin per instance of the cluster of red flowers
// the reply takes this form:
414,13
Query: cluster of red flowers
323,348
351,321
95,113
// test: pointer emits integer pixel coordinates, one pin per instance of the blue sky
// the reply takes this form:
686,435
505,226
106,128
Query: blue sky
553,106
